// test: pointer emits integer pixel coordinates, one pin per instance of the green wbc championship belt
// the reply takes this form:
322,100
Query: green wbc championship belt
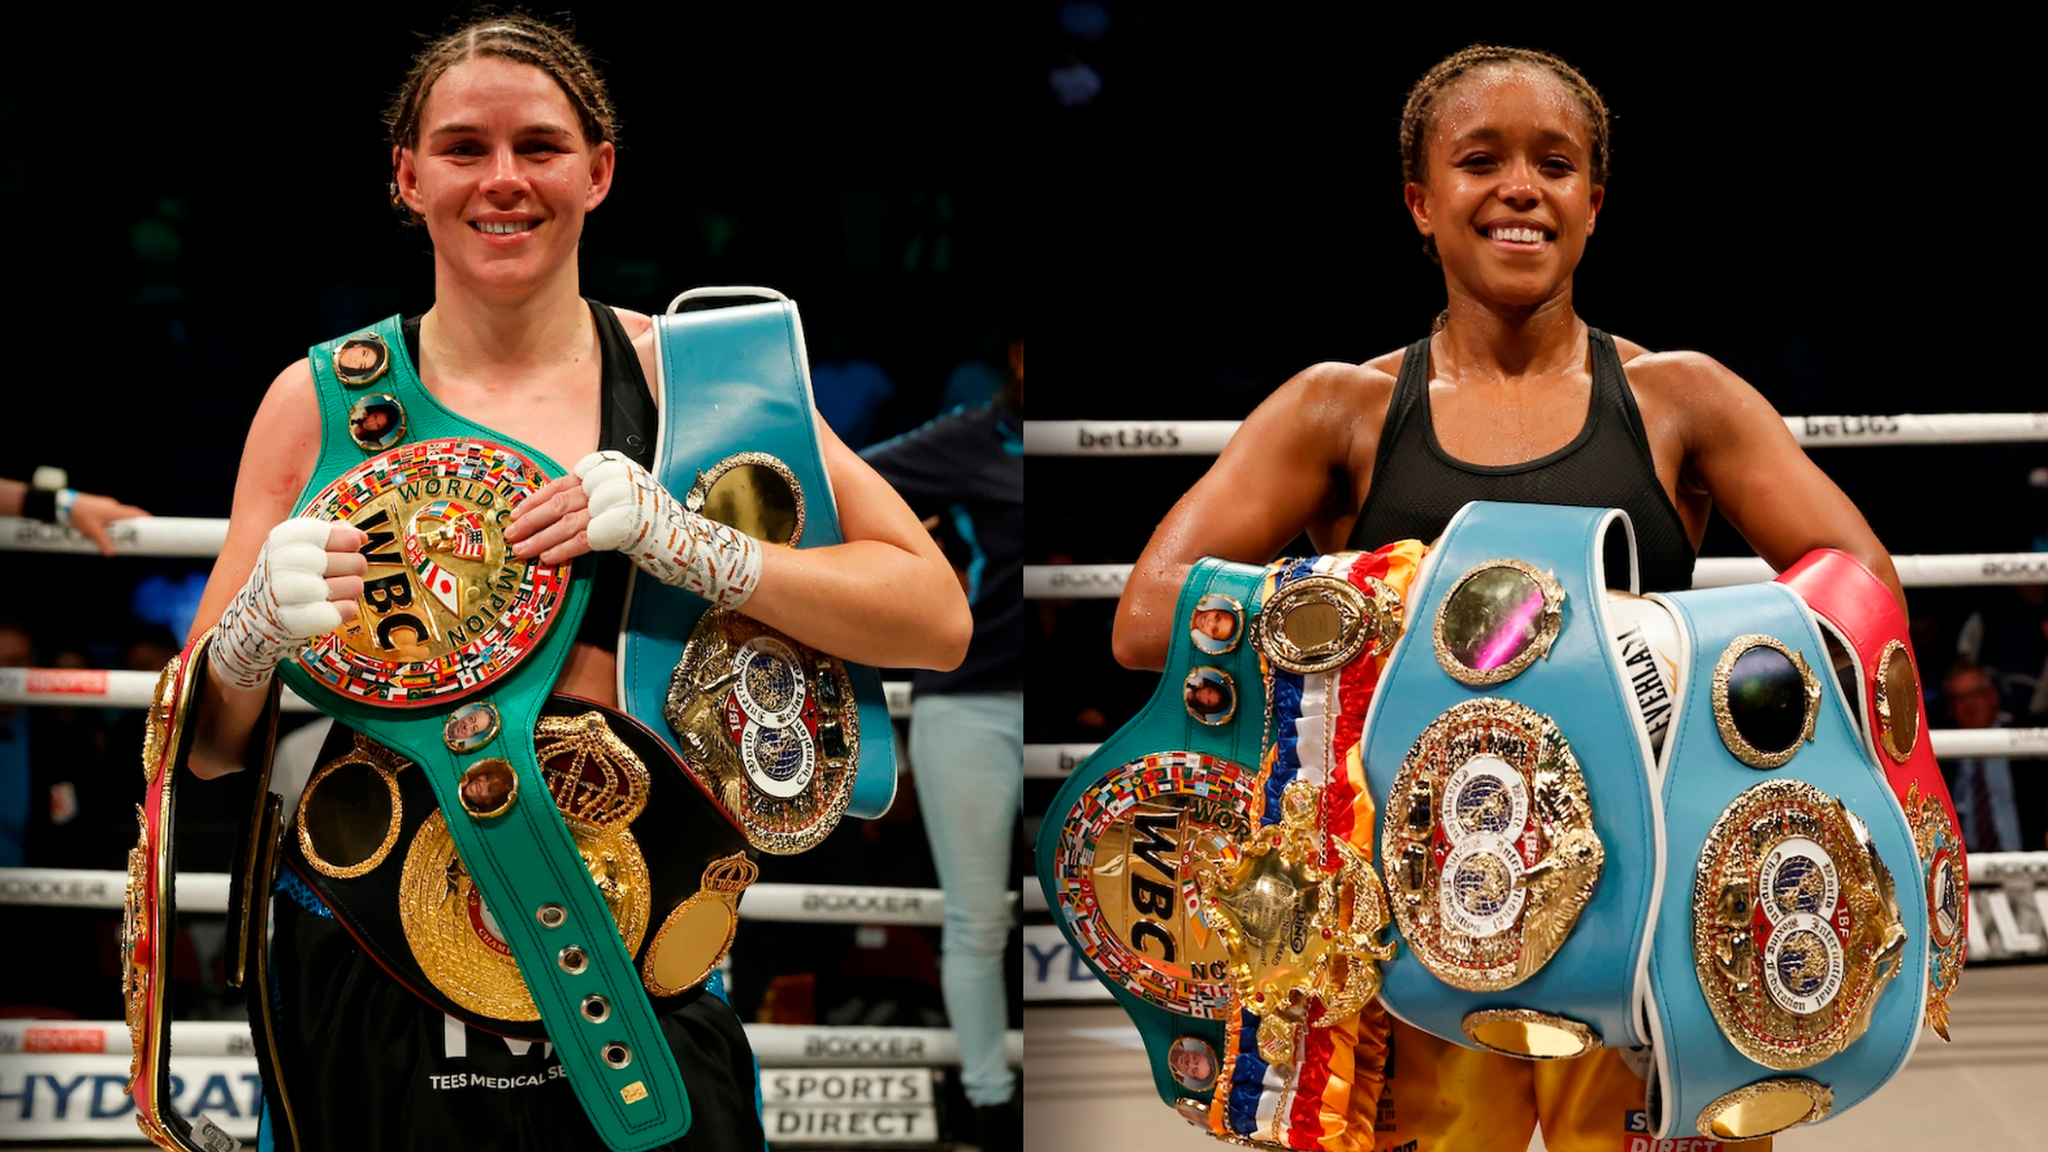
450,661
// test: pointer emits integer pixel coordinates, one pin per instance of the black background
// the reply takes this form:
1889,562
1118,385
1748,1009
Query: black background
194,201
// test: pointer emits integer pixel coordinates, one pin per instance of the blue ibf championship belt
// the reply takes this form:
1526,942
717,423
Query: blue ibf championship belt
1793,897
1519,821
1212,860
1731,901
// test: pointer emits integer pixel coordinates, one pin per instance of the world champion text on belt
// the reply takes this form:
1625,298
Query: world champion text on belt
447,608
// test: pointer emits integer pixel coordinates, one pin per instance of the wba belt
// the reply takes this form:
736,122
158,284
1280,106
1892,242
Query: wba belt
372,844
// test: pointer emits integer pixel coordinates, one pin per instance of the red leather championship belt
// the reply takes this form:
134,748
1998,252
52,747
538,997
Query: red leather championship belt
150,918
1867,618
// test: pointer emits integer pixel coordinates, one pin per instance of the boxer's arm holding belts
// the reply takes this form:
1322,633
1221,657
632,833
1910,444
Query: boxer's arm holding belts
631,512
885,596
304,580
299,589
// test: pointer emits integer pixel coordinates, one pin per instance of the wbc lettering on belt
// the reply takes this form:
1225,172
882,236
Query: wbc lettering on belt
446,606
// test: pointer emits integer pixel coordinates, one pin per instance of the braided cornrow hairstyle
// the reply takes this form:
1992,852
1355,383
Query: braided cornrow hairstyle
514,36
1420,112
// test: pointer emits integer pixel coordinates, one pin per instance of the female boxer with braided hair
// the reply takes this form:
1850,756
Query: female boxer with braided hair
1504,156
503,139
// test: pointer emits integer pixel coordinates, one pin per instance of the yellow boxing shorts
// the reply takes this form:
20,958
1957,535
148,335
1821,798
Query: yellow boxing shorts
1443,1097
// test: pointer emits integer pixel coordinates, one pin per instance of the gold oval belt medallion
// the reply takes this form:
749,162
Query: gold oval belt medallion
1796,929
600,787
1488,845
446,607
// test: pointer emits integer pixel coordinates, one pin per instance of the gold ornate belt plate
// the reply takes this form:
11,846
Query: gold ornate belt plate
1488,844
1796,929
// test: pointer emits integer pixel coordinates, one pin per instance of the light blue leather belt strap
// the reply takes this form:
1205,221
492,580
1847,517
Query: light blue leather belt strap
1165,725
526,858
734,380
1593,977
1696,1063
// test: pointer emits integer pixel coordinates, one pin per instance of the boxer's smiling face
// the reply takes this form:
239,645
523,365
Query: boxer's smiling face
1507,193
502,174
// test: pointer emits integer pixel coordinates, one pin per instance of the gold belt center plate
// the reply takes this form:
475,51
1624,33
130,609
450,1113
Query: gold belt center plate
446,607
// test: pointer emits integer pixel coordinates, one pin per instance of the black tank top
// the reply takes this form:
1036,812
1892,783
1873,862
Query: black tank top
1417,486
626,423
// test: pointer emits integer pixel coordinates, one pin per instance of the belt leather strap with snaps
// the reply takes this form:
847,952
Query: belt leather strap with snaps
453,624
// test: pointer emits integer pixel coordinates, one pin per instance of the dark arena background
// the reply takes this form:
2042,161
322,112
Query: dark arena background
1833,213
1181,211
197,200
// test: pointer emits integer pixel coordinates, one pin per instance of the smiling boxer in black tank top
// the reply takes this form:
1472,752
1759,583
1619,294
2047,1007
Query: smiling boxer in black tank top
1505,163
1608,464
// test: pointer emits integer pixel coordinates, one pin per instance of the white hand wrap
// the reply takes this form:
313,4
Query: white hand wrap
283,604
631,512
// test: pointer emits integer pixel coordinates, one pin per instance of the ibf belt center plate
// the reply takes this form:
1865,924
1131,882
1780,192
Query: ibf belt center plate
1488,845
1796,929
769,726
1125,888
446,607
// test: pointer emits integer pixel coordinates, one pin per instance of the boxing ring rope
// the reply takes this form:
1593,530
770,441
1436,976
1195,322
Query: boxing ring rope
785,903
188,536
142,536
113,688
1106,581
775,1045
1207,437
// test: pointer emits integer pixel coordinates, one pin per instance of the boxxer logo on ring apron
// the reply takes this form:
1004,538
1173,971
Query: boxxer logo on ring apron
446,607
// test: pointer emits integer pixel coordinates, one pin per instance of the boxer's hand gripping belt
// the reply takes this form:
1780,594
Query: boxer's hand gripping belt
284,603
631,512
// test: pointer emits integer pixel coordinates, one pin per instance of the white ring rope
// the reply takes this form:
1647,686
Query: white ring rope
783,903
1055,761
141,536
188,536
1106,581
1207,437
775,1045
115,688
